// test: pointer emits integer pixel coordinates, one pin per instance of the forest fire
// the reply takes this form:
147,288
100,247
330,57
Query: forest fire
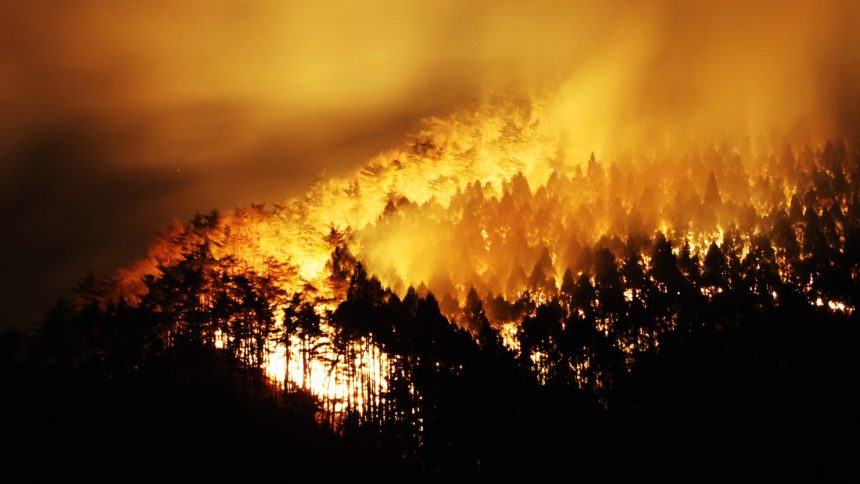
474,219
608,239
498,222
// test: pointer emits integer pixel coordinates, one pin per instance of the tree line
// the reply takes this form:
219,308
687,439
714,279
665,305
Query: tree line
648,356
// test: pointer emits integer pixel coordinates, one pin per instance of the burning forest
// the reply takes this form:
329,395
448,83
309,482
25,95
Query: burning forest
605,273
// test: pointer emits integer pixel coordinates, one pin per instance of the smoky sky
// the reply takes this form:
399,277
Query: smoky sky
118,117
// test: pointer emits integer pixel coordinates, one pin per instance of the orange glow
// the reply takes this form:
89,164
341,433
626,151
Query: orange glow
530,89
700,130
479,197
340,383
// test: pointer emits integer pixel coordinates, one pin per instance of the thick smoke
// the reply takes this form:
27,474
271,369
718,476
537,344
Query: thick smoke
161,107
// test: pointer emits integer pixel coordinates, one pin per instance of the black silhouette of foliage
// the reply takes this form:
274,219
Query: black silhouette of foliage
736,356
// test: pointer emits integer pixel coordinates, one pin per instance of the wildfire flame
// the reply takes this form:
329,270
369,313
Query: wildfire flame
490,200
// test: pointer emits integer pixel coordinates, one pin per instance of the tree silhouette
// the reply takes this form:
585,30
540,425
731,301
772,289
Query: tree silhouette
656,351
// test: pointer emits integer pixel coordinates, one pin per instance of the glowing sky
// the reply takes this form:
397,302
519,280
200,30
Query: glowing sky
118,116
